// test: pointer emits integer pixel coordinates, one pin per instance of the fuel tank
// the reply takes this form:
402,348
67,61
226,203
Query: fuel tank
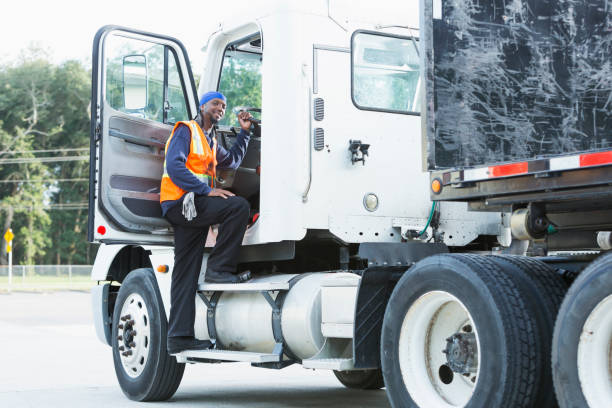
243,320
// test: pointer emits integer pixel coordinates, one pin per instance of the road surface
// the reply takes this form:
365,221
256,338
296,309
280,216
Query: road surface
50,357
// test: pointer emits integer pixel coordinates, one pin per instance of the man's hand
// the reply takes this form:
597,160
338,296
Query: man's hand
243,118
219,192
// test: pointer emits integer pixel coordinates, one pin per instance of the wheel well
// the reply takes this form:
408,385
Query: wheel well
128,259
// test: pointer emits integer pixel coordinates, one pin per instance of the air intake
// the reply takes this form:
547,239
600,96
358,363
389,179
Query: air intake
319,109
319,138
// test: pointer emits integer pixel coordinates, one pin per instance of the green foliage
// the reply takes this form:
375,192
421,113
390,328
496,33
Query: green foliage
44,107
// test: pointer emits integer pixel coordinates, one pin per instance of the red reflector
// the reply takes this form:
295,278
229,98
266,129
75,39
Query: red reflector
508,169
595,159
255,217
101,230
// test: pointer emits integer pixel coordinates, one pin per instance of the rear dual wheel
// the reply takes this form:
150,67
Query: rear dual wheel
582,343
462,330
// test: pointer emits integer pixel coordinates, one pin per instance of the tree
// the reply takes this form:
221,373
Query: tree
44,107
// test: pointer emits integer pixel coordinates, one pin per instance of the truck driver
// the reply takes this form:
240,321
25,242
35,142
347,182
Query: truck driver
192,203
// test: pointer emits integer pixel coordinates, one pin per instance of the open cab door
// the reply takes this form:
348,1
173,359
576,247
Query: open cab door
142,85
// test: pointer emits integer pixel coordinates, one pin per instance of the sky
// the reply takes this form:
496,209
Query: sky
67,27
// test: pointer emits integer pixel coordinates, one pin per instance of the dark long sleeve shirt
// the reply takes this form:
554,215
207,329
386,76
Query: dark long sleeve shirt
176,157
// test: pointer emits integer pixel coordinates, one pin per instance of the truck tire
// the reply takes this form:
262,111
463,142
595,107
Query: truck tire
543,290
143,367
361,379
457,332
582,341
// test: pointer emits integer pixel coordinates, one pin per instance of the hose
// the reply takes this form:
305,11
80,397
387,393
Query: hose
433,209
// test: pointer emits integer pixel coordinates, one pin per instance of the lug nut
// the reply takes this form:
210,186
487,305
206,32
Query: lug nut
128,353
131,322
119,338
120,326
132,344
121,348
133,333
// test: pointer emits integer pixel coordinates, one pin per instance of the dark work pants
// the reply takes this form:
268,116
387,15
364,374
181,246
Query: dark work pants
189,238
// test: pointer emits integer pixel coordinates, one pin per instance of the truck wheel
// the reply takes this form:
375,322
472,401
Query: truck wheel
543,290
457,332
143,367
582,341
361,379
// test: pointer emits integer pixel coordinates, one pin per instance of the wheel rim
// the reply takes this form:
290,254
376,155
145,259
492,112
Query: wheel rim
595,355
434,325
133,334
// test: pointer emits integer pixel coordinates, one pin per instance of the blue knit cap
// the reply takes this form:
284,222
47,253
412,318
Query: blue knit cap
211,95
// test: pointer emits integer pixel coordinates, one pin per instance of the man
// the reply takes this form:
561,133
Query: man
192,203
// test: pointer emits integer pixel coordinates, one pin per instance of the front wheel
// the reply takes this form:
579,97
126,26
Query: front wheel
457,332
582,341
143,367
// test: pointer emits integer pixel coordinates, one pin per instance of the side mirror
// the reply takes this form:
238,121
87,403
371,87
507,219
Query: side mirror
135,82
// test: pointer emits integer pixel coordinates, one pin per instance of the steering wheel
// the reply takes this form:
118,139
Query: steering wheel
249,109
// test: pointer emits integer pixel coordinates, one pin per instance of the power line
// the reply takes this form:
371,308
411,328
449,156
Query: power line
59,206
43,159
79,149
43,181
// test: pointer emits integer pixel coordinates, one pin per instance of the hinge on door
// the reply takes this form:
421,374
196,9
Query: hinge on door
98,132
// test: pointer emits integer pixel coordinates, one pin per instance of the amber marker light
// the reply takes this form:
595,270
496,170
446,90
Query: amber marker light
162,268
436,186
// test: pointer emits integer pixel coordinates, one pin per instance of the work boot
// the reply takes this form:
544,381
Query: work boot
216,277
184,343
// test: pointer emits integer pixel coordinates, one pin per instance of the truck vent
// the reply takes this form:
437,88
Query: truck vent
319,138
319,109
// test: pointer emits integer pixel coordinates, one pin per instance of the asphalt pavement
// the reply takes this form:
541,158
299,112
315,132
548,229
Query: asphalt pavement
50,357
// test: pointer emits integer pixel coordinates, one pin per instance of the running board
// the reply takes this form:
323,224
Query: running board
243,287
265,284
192,356
338,364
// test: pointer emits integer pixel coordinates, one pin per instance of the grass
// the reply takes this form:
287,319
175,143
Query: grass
42,283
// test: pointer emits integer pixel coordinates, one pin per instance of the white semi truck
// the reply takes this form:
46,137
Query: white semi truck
364,263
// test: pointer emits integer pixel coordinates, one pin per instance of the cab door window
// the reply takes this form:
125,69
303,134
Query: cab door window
137,84
240,80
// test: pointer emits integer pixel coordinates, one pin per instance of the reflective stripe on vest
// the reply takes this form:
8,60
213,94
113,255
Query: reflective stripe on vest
201,162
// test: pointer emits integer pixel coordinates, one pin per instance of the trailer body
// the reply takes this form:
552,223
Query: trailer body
518,118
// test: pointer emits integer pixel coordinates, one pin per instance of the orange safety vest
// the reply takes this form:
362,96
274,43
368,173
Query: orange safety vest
201,162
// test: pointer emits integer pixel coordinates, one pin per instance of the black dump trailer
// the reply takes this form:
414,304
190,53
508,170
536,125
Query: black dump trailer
517,119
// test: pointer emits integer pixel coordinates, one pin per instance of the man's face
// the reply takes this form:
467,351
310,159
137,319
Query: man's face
214,109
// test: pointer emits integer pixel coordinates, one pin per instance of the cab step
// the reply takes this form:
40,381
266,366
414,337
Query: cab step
340,364
258,284
243,287
226,355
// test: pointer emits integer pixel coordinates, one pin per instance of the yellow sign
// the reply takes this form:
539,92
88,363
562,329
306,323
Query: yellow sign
9,247
8,236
